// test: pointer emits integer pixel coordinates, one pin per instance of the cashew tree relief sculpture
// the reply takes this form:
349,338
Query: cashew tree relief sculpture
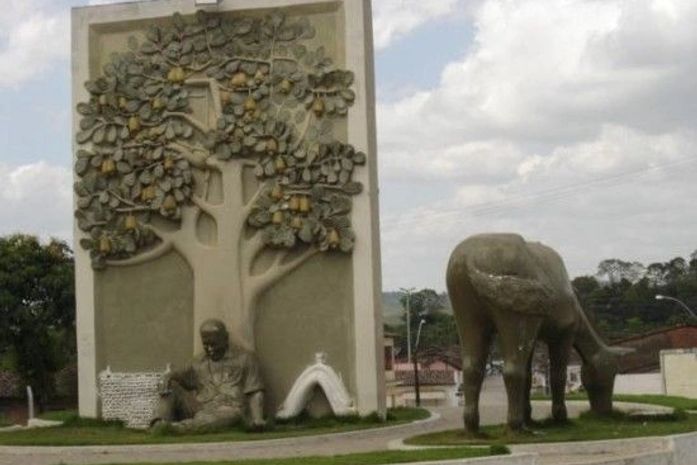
267,174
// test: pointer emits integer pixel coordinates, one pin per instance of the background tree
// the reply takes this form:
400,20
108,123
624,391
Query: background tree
37,309
268,177
615,270
621,297
438,333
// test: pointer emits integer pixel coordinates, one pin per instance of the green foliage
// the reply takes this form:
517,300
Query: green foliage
499,449
369,458
438,335
621,297
587,427
676,402
37,308
85,431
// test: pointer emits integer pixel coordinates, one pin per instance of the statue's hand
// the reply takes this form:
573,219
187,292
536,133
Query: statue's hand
164,387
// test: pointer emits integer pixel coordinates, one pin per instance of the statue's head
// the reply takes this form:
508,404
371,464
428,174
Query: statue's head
598,377
215,339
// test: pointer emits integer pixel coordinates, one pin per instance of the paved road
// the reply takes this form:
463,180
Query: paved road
493,411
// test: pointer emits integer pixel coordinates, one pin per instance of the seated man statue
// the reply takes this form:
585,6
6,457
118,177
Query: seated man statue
215,389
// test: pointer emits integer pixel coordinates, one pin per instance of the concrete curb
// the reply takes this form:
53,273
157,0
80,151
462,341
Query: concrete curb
666,450
513,459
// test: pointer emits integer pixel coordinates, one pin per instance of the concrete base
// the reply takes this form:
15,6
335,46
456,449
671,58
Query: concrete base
663,450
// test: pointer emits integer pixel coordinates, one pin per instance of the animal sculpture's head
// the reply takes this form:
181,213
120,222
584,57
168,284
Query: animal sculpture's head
598,377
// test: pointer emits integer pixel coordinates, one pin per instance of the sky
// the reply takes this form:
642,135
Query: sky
571,122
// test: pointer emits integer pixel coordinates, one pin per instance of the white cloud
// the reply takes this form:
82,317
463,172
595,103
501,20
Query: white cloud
550,71
33,35
394,19
36,199
570,121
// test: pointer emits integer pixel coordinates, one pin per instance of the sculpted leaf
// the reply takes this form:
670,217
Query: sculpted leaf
147,152
81,166
353,188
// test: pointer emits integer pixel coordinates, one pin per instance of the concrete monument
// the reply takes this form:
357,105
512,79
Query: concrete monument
225,168
499,283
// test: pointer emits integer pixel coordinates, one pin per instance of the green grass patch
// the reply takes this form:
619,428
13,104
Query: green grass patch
78,431
683,403
588,427
371,458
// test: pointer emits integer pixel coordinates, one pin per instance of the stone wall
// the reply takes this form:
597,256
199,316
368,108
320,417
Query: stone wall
639,383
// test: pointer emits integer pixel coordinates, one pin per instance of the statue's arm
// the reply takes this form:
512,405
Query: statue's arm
185,377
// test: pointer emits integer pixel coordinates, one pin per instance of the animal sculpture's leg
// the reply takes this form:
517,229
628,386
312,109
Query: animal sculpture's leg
528,387
517,335
476,341
558,361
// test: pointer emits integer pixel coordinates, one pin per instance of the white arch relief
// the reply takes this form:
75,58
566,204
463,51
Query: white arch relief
322,375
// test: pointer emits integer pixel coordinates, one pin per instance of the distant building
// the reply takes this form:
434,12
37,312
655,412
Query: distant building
646,358
440,378
439,384
640,371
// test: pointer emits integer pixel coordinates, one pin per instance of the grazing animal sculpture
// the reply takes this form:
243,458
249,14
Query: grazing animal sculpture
499,283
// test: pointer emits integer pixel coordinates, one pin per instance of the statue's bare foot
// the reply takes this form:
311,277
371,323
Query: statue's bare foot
159,426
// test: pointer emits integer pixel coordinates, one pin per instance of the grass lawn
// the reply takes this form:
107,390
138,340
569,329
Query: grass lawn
4,421
682,403
588,427
78,431
372,458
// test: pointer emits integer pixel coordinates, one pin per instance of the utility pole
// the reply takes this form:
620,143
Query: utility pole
407,293
417,385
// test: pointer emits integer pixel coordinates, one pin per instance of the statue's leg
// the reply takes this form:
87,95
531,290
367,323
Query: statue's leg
559,352
528,388
517,336
476,342
210,420
165,410
187,405
177,404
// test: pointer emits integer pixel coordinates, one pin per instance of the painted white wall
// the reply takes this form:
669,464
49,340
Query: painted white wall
639,383
679,368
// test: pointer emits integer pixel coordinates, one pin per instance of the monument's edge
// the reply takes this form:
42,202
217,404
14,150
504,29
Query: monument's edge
143,10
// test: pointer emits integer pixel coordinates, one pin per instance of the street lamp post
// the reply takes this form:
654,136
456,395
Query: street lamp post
407,293
417,387
682,304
